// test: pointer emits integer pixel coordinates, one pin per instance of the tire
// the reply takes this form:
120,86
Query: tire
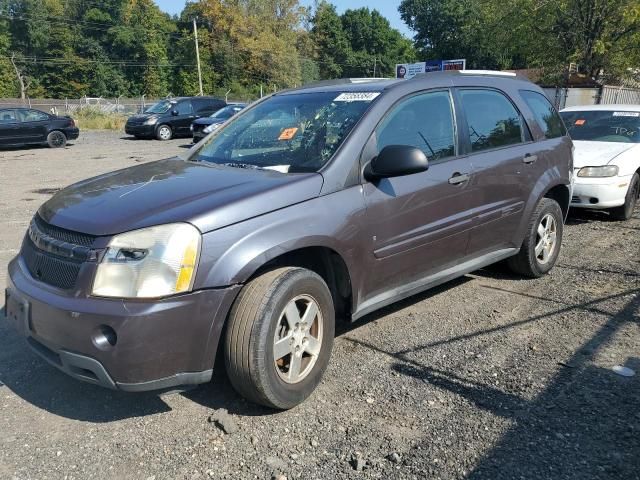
261,315
164,133
545,227
56,139
625,212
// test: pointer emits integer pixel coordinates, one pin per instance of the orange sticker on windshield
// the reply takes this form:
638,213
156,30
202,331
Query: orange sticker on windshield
580,122
288,133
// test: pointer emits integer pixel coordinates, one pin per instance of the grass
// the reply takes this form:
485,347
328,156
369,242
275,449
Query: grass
94,119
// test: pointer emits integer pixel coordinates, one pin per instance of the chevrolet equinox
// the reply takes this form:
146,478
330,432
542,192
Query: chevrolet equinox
328,201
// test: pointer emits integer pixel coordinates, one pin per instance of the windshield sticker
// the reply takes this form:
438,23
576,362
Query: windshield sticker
580,122
288,133
626,114
356,97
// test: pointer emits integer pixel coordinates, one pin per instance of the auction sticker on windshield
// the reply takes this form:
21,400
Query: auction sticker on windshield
288,133
356,96
626,114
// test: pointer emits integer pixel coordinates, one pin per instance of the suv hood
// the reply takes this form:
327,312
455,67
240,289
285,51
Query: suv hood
208,196
595,154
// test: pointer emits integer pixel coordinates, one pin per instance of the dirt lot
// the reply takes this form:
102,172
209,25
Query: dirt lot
487,377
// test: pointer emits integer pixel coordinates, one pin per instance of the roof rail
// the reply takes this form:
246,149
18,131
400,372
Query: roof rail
345,81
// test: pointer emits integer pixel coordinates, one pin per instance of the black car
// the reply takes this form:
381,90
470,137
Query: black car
24,126
172,117
204,126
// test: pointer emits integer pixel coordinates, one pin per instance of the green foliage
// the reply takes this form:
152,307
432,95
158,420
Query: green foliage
601,36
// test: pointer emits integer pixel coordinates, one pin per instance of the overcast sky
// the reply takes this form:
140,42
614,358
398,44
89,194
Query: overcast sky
388,8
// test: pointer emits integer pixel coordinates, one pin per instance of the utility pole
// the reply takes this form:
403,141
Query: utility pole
195,36
375,63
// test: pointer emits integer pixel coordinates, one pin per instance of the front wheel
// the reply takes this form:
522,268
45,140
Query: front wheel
56,139
164,132
541,246
279,337
625,212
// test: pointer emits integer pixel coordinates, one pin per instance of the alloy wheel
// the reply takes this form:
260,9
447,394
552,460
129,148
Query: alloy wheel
546,239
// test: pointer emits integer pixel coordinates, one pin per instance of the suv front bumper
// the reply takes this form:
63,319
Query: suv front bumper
159,343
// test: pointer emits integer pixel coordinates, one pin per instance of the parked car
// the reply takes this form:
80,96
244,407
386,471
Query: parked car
204,126
26,126
313,204
172,117
607,157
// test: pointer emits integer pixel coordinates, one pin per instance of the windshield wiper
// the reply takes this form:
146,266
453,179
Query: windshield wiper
243,165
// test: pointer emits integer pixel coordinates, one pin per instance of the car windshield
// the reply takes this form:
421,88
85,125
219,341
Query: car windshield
226,112
603,126
289,133
160,107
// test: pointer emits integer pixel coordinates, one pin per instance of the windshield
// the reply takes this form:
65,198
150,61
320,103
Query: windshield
603,126
226,112
287,133
159,107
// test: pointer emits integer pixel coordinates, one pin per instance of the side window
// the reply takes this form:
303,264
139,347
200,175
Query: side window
8,116
492,119
184,107
425,122
33,116
548,119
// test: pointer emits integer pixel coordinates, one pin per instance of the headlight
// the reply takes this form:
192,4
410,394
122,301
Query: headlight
191,127
211,128
151,262
150,121
604,171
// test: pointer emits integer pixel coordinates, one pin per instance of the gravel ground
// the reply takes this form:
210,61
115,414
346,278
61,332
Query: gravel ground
486,377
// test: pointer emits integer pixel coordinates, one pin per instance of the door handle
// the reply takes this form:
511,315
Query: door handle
528,158
458,178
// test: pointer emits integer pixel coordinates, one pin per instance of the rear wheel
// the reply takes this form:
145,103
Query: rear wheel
56,139
164,132
541,246
625,212
279,337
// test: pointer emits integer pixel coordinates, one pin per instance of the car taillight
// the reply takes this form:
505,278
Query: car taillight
72,122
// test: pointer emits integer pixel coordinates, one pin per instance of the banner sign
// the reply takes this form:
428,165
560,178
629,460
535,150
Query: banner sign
410,70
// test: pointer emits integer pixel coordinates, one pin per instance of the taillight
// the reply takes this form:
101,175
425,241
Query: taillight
72,122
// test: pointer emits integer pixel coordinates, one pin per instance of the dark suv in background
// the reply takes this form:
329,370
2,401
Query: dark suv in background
325,202
172,117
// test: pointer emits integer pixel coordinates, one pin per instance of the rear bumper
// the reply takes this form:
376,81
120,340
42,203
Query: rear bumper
72,133
159,343
599,193
140,130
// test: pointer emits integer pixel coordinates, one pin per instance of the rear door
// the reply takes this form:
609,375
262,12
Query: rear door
33,126
9,127
419,224
500,148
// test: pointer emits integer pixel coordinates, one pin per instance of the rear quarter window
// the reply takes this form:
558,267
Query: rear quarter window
546,116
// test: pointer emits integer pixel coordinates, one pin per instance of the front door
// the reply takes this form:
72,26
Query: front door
419,224
182,121
9,131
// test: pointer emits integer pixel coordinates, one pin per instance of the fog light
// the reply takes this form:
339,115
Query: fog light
105,337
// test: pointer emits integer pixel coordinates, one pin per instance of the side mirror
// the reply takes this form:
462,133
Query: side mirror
396,161
175,113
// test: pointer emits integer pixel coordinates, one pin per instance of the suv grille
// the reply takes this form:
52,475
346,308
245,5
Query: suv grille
63,235
54,269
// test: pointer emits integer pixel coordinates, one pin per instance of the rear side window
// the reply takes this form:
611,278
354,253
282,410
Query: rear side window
424,121
33,116
207,105
184,107
492,119
546,116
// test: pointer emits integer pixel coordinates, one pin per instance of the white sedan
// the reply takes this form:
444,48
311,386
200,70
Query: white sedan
606,157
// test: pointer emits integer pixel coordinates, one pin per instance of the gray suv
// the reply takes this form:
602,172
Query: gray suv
322,203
